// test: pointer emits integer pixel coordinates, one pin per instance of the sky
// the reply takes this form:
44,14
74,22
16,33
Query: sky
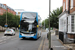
40,6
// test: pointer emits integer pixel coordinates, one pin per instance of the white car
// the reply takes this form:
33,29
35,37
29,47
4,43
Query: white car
9,32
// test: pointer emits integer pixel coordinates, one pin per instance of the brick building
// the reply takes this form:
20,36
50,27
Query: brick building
4,7
67,22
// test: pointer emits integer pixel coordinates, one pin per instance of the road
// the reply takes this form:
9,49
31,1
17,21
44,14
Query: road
15,43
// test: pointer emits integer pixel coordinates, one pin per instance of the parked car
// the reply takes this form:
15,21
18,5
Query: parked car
9,32
13,28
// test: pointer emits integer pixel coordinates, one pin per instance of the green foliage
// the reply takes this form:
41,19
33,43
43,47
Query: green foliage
53,18
12,20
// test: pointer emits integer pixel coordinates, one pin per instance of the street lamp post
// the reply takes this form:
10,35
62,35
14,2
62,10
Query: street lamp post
6,17
49,26
44,24
6,14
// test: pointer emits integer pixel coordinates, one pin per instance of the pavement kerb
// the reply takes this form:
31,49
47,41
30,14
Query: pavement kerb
41,44
44,44
68,48
60,41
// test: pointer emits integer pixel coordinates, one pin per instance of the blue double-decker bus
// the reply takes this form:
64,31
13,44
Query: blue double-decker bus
29,25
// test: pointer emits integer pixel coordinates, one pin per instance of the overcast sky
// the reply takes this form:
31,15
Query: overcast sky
40,6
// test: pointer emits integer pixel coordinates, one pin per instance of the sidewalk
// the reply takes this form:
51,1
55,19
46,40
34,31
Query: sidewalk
55,43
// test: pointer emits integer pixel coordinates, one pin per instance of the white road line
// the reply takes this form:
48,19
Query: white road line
5,39
3,36
3,42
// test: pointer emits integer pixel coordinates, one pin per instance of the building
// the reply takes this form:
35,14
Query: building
4,8
67,22
18,11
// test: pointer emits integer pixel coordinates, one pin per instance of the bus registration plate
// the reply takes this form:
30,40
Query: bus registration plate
24,35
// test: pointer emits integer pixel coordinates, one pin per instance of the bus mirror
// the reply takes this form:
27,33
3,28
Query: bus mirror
19,26
37,25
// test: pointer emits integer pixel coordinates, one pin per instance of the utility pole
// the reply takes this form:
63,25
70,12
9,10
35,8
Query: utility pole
44,24
49,25
6,16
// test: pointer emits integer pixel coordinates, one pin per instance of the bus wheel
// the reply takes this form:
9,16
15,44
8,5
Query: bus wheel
23,37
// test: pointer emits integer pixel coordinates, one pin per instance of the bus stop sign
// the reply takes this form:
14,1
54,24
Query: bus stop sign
6,25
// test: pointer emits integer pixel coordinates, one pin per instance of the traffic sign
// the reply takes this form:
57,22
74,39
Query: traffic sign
6,25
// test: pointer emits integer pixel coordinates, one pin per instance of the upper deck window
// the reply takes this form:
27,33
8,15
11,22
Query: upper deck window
29,17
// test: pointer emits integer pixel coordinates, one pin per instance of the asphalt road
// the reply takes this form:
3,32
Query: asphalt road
15,43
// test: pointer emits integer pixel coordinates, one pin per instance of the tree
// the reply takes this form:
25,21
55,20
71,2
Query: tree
12,20
53,18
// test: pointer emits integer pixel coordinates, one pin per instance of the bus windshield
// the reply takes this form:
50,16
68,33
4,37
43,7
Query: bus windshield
29,17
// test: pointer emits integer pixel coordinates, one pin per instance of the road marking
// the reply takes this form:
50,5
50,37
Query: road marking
4,39
41,44
3,42
3,36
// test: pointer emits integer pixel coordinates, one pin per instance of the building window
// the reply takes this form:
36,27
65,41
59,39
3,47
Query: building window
71,4
61,24
0,5
66,4
64,7
73,23
69,20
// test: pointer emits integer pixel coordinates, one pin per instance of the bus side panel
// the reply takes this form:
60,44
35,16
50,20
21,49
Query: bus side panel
37,17
20,36
37,24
